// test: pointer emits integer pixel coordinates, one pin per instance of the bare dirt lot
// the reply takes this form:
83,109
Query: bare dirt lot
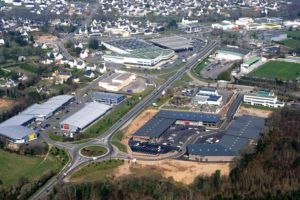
254,112
6,104
43,38
180,171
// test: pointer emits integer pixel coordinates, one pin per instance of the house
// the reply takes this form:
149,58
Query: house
89,74
80,65
102,68
84,54
62,77
91,67
2,42
21,58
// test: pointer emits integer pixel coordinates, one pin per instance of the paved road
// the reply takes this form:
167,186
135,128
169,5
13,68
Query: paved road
105,139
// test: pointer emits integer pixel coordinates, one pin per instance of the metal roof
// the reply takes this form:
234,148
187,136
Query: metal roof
233,143
246,126
173,42
48,107
129,44
192,116
209,150
233,50
17,120
15,132
106,95
86,115
155,127
164,119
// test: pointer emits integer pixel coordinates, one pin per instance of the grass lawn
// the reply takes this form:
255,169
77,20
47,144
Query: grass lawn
91,151
80,141
292,43
116,140
54,137
95,171
258,107
293,34
200,66
14,166
278,69
29,68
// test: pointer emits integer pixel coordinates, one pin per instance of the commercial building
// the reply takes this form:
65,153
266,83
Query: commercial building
274,35
136,53
163,120
116,81
18,120
250,64
18,134
143,57
176,43
45,110
108,98
231,53
84,117
262,98
209,96
242,131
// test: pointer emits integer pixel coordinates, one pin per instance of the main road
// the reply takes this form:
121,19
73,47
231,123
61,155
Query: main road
105,139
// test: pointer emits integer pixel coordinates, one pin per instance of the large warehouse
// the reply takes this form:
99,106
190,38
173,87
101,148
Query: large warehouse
108,98
242,131
18,134
231,53
163,120
45,110
138,53
18,120
84,117
176,43
116,81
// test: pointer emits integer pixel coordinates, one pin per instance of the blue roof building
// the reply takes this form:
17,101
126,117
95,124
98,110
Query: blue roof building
108,98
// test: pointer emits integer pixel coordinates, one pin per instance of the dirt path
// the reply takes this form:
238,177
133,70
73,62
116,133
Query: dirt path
254,112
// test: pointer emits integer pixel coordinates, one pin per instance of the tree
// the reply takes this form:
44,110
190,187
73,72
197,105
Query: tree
69,44
93,44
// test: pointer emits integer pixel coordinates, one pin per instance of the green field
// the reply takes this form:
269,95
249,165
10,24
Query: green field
91,151
14,166
292,43
96,171
278,69
116,140
54,137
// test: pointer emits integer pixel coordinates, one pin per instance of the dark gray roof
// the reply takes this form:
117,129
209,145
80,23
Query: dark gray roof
209,150
233,143
235,50
105,95
192,116
155,127
164,119
130,44
246,126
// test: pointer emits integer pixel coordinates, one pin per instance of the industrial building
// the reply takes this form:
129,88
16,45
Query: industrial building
144,57
18,120
262,98
45,110
231,53
164,119
108,98
116,81
136,53
84,117
242,131
18,134
274,35
176,43
250,64
209,96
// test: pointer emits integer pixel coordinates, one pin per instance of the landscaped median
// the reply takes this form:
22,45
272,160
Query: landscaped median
93,151
117,141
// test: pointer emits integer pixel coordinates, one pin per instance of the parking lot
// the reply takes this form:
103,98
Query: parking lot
212,70
177,135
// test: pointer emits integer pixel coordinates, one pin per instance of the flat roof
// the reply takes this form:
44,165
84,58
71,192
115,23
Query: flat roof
106,95
15,132
146,53
209,150
164,119
173,42
252,60
17,120
87,115
192,116
234,50
246,126
129,44
48,107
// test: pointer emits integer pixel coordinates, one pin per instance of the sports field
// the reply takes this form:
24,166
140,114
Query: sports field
278,69
14,166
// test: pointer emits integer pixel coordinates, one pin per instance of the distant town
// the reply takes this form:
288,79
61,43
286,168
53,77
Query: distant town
91,90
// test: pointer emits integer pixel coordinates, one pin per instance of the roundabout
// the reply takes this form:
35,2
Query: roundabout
93,151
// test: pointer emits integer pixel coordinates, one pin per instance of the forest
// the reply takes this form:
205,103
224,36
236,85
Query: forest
269,172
